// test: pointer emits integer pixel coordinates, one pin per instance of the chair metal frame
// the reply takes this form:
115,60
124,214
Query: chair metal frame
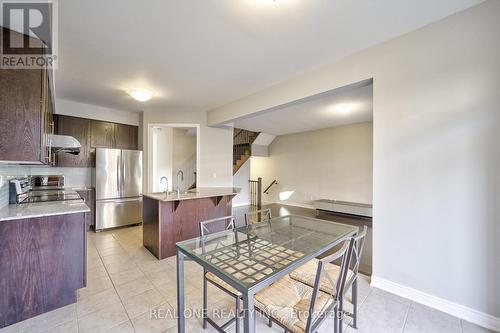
352,280
203,232
266,212
315,318
350,259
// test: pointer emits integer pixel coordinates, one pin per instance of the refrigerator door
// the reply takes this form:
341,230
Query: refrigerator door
131,173
118,212
107,173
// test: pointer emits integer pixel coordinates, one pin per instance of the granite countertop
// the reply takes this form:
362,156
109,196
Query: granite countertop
198,193
41,209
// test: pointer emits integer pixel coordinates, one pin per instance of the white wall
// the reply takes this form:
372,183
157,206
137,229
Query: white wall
240,180
82,110
436,156
184,157
162,159
331,163
216,146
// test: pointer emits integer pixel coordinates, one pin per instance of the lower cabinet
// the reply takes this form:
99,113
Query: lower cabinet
42,264
88,195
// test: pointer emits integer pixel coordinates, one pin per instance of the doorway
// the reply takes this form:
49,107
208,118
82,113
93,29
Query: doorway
173,157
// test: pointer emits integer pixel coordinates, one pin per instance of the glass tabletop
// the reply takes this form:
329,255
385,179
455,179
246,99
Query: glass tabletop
250,254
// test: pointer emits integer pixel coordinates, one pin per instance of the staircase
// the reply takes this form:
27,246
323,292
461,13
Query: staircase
242,147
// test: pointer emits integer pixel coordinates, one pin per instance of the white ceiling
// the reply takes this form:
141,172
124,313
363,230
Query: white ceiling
197,55
344,106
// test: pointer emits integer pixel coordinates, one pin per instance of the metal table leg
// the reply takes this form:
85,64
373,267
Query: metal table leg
248,308
355,303
181,321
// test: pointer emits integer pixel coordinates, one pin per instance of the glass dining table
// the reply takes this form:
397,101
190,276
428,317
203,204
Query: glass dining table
252,257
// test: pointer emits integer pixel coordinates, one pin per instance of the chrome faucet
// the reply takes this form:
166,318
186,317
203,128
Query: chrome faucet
179,173
165,188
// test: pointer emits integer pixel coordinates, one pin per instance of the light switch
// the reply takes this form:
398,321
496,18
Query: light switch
214,175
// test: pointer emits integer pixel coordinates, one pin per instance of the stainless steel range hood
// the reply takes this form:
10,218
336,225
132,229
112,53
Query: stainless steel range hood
64,143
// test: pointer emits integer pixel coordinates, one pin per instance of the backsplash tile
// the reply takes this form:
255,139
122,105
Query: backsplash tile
74,177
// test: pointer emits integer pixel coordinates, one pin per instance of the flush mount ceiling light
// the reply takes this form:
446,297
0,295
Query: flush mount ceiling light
141,95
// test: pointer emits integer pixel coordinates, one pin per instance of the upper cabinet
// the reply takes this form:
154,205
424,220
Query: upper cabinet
78,128
93,134
25,115
126,136
102,134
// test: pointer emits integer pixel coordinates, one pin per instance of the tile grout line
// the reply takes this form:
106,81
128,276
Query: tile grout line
145,276
406,317
114,287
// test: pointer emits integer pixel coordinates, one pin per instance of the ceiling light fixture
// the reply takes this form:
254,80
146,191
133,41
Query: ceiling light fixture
141,95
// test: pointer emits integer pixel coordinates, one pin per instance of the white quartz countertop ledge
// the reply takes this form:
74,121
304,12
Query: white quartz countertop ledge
199,193
41,209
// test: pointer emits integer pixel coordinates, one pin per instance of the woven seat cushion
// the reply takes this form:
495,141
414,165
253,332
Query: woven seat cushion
287,301
216,280
307,274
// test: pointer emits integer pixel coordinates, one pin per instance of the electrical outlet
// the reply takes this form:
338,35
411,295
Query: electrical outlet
2,181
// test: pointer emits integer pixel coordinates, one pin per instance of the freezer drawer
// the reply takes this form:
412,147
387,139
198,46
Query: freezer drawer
117,212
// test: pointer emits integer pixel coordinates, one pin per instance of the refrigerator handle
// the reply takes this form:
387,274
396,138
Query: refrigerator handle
122,176
118,179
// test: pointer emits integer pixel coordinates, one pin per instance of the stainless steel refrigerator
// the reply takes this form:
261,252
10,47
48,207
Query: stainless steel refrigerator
118,186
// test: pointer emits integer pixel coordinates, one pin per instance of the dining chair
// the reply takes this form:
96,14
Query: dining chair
258,216
299,308
206,228
307,274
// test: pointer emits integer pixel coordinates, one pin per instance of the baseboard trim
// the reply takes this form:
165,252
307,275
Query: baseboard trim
294,204
474,316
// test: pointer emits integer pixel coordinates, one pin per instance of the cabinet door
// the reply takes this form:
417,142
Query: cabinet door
20,115
102,134
89,198
126,136
78,128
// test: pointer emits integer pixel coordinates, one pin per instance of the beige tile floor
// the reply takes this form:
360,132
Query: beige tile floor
126,283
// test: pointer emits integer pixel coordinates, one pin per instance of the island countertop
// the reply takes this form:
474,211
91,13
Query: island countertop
41,209
198,193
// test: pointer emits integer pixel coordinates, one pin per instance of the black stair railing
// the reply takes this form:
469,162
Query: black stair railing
274,182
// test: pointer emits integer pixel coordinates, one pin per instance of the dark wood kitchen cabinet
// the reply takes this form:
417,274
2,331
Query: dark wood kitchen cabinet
25,114
79,128
93,134
126,136
102,134
88,196
42,264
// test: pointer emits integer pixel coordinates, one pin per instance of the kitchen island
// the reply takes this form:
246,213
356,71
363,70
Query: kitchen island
171,217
